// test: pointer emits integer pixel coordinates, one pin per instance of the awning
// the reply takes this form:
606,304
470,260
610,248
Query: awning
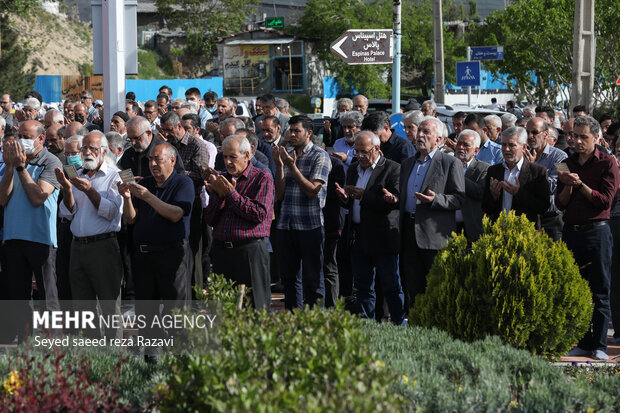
259,41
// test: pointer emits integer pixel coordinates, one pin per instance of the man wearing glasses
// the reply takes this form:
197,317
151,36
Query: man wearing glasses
87,97
92,203
152,114
374,226
543,154
142,141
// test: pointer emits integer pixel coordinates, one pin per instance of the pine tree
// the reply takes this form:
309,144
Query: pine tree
15,77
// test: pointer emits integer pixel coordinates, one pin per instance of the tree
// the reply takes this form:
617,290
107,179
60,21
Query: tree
15,78
326,20
205,21
538,46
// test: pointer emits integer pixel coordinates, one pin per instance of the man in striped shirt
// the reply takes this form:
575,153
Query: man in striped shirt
240,211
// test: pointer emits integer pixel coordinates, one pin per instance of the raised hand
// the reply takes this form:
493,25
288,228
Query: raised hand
389,197
425,199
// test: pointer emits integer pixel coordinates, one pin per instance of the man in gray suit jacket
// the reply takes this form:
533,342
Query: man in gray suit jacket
470,217
432,188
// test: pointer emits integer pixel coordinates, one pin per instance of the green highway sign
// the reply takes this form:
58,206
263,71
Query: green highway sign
274,22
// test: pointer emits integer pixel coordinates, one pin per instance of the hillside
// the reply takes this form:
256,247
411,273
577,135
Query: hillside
59,46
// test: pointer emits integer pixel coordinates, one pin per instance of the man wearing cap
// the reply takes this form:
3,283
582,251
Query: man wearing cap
118,123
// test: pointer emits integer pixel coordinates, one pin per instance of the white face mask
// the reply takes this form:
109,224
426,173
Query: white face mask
28,145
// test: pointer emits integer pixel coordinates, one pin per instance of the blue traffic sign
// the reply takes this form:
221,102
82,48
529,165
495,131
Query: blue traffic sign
396,123
468,73
487,53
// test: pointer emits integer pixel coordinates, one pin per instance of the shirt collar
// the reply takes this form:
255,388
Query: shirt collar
519,164
185,139
104,169
372,167
429,156
307,148
467,164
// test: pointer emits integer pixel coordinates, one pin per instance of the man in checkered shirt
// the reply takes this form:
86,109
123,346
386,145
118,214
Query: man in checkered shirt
301,182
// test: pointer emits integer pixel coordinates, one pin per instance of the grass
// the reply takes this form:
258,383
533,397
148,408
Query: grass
438,373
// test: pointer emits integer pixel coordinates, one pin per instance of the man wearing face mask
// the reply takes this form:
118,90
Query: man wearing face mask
92,203
80,116
29,194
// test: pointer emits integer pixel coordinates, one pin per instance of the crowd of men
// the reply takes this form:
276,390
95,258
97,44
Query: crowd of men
182,187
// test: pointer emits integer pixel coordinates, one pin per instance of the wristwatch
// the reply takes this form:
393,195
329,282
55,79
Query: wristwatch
19,168
579,186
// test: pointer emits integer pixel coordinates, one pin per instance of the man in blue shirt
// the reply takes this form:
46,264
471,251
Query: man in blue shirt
160,209
490,152
29,193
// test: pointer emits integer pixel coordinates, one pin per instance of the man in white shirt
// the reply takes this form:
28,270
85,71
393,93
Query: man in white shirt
92,202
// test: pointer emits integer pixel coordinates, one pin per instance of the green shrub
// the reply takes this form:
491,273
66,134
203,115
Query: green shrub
222,294
439,374
514,282
314,360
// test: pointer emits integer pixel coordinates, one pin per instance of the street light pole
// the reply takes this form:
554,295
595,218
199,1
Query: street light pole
396,58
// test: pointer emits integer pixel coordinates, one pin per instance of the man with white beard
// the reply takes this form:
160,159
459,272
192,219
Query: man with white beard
92,203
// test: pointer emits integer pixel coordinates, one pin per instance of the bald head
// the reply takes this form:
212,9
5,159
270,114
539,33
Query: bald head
75,128
52,117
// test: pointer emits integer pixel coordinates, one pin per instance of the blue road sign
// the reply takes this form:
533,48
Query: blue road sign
487,53
468,73
396,123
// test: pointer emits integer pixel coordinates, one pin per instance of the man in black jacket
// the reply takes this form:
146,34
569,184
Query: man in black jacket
516,184
370,194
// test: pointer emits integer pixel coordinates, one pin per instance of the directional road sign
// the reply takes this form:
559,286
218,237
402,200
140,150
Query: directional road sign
396,123
468,73
487,53
364,47
618,81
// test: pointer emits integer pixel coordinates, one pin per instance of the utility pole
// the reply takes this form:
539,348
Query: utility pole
440,95
396,59
468,87
584,50
113,58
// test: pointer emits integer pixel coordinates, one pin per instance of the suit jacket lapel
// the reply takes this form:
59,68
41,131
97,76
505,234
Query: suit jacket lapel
376,172
471,169
524,175
432,168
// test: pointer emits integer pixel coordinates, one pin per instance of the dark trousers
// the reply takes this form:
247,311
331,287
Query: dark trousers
343,257
245,263
552,224
274,266
592,250
161,275
385,268
614,297
195,241
96,273
25,258
301,260
63,256
330,271
415,262
207,242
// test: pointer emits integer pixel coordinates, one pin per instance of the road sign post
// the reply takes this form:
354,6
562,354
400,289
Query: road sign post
364,47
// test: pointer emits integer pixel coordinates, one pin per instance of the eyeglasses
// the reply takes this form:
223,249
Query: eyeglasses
85,97
135,138
365,154
92,149
535,132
